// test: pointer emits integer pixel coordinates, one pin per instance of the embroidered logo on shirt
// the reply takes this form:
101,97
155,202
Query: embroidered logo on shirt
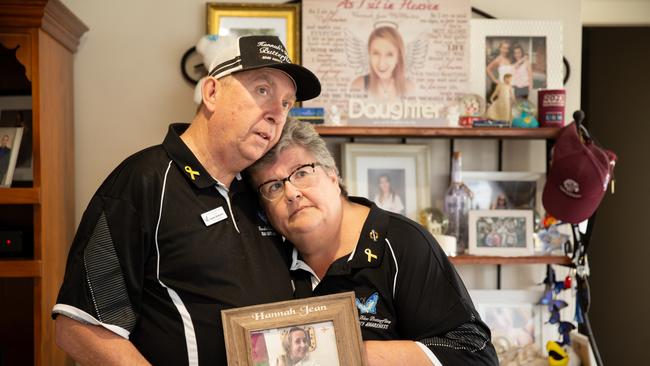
369,306
265,228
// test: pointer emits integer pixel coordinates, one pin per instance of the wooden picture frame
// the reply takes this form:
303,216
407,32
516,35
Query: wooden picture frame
282,20
329,325
10,138
405,167
501,232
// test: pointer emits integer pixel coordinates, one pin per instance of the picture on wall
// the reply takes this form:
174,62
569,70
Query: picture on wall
394,63
394,176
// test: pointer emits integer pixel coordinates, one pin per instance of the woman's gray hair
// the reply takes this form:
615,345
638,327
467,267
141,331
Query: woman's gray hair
301,134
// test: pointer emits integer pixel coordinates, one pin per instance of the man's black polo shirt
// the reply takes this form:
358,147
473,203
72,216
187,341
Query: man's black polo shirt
406,289
162,248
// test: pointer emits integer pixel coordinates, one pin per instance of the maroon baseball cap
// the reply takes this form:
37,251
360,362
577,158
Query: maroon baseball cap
578,177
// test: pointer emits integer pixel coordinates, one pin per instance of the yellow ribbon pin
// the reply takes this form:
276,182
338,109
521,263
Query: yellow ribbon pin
370,255
192,172
374,235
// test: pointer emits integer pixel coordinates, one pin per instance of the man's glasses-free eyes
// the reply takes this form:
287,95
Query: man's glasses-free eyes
303,177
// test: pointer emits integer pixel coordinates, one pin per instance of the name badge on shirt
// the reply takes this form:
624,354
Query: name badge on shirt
214,216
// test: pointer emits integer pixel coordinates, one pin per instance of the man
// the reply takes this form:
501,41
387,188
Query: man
173,236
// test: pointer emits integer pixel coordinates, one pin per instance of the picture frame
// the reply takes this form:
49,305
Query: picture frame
429,68
398,168
282,20
501,232
515,317
10,138
540,44
506,190
16,111
329,325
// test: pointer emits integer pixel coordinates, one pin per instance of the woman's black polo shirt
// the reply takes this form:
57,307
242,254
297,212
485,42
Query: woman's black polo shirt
160,251
405,289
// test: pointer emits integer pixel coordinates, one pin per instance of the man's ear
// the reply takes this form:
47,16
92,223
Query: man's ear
209,91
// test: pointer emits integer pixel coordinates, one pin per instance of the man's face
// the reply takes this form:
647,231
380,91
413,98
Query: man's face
251,108
299,345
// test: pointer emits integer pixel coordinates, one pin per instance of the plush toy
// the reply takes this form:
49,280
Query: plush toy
557,355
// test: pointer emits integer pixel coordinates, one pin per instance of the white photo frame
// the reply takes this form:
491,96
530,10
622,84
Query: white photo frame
406,167
541,39
501,232
512,314
10,138
521,190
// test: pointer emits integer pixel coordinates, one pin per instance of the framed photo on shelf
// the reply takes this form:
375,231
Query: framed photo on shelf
328,326
394,176
282,20
506,190
10,138
16,111
501,232
529,50
404,66
513,316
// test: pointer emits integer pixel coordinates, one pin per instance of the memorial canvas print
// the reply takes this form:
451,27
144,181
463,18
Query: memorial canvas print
390,62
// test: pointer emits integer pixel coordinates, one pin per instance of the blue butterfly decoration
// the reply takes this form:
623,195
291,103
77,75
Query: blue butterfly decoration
564,329
369,306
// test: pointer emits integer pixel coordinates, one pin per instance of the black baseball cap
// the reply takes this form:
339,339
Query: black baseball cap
244,53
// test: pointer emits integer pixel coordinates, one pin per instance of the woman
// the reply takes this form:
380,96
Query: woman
296,348
413,306
386,79
386,198
522,77
502,63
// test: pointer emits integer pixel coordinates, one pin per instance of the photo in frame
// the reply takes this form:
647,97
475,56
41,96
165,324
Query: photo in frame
322,330
528,50
282,20
501,232
514,317
506,190
10,138
16,111
394,176
390,63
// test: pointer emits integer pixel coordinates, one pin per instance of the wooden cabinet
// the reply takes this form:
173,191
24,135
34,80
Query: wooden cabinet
46,35
546,133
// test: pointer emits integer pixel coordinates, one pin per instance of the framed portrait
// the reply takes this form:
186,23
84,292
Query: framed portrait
530,51
282,20
394,176
514,317
390,64
321,330
10,138
506,190
501,232
16,111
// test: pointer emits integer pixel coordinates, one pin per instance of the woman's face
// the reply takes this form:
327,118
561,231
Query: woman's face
383,57
298,345
384,184
518,53
301,211
504,48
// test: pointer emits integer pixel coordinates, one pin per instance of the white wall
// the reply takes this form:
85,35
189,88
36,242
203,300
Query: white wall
616,12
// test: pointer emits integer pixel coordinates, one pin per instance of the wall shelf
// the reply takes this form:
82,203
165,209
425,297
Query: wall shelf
20,268
533,259
20,196
543,133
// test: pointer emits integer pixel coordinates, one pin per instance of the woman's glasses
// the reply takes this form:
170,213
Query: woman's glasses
303,177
